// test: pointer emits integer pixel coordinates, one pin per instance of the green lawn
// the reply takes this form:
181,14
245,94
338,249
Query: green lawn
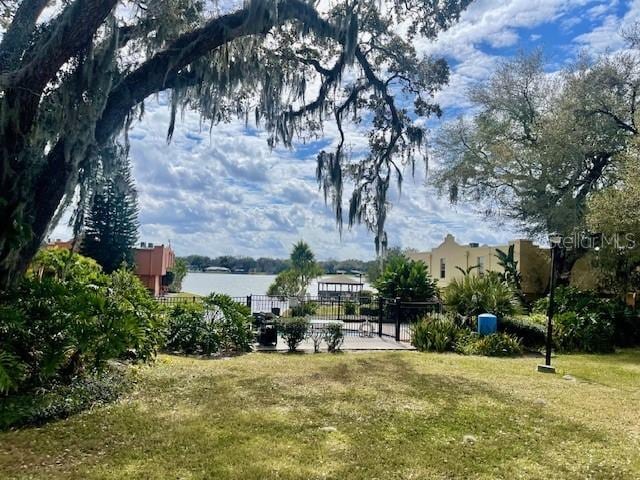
389,415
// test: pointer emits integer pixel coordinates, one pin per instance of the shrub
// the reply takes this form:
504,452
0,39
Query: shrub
217,324
293,331
232,321
334,337
187,332
472,295
60,400
588,332
593,310
287,284
67,317
530,331
350,308
435,333
304,308
406,279
495,345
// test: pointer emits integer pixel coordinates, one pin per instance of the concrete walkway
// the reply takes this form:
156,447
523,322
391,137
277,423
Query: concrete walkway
351,342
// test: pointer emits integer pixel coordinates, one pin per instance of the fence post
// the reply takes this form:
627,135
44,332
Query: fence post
249,302
398,306
339,303
380,315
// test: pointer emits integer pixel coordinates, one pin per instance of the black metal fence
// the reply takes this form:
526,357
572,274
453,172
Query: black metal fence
364,316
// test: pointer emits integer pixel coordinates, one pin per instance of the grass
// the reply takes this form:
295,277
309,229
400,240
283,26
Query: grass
386,415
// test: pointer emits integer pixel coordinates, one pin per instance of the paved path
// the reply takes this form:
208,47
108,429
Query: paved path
350,343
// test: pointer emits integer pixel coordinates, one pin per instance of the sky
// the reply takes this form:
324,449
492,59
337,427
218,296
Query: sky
225,192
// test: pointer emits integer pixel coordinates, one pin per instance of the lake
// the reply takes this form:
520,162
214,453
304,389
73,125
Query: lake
235,285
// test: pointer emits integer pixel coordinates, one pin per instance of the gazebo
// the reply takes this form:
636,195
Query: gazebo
339,286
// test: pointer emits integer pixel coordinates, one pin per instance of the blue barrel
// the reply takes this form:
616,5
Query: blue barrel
487,324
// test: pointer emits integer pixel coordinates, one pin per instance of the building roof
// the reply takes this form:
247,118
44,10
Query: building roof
340,280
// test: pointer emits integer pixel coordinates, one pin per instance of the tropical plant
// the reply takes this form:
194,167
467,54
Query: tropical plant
293,331
435,332
66,318
472,295
375,269
590,308
494,345
334,336
65,96
583,332
510,274
60,400
468,270
112,221
187,332
232,321
407,280
214,325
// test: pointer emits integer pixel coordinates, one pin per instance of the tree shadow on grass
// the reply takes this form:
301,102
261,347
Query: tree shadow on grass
391,420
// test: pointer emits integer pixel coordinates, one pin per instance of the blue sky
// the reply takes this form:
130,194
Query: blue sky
227,193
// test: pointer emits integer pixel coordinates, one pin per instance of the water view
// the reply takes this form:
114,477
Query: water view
236,285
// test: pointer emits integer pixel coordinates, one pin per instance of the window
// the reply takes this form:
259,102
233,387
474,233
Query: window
480,266
443,268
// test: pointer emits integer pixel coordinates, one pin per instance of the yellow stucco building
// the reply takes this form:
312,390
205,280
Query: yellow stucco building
533,262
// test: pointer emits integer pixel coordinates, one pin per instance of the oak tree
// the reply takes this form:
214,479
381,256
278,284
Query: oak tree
75,80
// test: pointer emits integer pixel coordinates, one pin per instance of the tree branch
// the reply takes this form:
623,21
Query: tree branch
16,38
152,76
72,31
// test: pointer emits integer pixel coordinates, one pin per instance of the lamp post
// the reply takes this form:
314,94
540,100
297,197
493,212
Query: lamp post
555,239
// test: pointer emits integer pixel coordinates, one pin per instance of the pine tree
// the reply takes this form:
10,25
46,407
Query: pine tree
112,223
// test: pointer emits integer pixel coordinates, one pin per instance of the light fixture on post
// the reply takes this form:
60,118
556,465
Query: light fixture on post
555,240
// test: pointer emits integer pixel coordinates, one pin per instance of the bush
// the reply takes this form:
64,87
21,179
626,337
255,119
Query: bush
435,333
59,400
232,321
596,314
293,331
406,279
350,308
67,317
472,295
588,332
334,337
530,331
304,308
495,345
187,332
217,324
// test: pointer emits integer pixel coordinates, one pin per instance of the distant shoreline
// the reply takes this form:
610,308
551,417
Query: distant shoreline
232,273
